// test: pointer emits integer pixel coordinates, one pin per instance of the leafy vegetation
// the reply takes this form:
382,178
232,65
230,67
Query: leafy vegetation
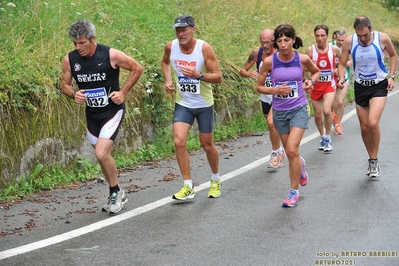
391,4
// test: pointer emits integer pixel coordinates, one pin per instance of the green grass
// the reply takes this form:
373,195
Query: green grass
35,40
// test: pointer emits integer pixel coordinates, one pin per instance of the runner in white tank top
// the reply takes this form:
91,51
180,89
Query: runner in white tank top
340,94
372,82
195,67
256,58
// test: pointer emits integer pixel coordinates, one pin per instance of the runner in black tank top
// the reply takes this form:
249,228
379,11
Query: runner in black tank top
95,72
95,68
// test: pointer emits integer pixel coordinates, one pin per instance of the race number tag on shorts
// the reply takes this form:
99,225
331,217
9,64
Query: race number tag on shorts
96,97
188,85
268,81
346,75
367,80
325,76
294,90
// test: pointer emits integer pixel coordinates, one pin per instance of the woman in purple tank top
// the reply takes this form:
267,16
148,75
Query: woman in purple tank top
290,115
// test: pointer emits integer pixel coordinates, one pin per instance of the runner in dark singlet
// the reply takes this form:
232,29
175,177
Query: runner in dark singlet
95,68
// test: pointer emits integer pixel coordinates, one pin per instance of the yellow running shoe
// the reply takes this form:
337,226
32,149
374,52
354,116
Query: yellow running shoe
214,190
308,109
185,193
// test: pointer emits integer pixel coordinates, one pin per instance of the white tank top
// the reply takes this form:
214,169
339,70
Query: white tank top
368,61
190,93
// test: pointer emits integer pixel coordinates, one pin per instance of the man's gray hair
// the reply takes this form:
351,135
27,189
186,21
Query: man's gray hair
341,33
82,28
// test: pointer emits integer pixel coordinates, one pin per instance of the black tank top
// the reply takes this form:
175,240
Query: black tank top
259,59
98,78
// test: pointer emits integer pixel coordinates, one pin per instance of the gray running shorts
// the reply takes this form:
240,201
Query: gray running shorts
187,115
297,117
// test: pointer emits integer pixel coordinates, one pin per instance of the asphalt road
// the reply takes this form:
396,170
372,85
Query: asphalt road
343,217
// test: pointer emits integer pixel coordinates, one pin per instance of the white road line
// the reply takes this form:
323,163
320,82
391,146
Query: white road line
143,209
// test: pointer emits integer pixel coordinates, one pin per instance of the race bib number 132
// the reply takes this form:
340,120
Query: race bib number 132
96,97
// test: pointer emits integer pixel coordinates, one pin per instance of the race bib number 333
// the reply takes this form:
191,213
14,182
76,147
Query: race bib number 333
188,85
96,97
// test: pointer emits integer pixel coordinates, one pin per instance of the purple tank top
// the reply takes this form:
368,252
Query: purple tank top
290,72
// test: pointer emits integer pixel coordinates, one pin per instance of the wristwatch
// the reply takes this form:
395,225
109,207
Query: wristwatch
392,77
201,76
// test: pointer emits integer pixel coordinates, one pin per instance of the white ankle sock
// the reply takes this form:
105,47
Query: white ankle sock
189,183
215,176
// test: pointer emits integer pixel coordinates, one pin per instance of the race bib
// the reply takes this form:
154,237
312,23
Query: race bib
325,76
293,93
346,75
96,97
367,80
188,85
268,81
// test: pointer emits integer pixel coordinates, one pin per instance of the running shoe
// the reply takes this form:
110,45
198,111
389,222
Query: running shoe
303,180
273,163
281,157
214,190
374,166
368,168
185,193
334,118
308,109
338,129
116,203
105,208
322,144
327,146
291,200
